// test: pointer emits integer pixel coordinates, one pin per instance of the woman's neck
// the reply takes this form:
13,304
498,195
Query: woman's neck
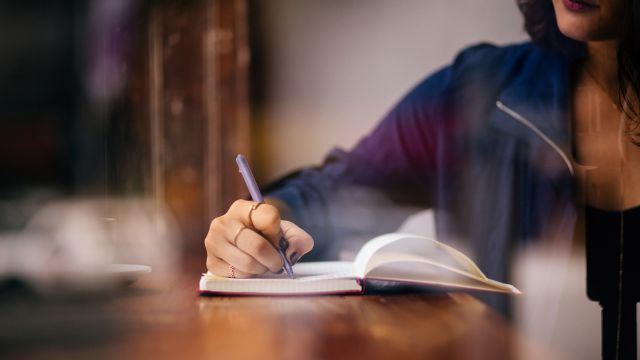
602,65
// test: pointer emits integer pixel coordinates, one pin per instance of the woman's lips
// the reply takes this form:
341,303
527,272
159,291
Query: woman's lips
578,5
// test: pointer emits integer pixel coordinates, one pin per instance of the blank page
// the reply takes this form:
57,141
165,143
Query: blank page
330,277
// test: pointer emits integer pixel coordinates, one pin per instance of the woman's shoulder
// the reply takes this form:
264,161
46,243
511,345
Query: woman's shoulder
486,52
479,74
483,68
486,69
499,61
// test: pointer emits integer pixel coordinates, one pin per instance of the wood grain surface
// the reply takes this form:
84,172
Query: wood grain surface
171,321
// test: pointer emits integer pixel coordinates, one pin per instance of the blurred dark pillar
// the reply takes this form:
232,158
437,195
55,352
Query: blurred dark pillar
198,107
38,95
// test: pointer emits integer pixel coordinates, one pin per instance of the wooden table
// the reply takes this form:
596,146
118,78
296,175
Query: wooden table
173,322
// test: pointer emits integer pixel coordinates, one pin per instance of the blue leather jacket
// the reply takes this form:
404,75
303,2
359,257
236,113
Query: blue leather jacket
485,142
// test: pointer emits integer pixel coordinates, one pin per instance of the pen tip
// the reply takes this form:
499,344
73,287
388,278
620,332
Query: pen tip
288,269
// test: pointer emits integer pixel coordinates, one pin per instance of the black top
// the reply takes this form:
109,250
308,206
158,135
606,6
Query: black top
606,231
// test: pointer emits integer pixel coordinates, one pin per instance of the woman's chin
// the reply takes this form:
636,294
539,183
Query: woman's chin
584,31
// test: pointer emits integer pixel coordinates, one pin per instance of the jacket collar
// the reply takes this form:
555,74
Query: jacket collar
540,94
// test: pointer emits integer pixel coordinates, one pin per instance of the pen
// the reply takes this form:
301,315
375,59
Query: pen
256,195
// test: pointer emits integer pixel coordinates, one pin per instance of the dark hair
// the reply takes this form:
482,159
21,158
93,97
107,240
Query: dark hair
540,23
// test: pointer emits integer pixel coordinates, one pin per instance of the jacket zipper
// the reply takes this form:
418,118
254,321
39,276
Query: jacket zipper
538,132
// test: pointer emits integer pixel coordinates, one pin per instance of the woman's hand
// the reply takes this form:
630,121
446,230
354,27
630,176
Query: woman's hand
243,242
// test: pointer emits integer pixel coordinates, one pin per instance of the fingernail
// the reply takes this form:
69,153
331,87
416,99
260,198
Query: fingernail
284,244
295,256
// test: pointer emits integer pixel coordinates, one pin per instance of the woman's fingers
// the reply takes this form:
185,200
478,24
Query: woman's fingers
218,244
258,247
238,258
300,242
220,267
262,217
246,238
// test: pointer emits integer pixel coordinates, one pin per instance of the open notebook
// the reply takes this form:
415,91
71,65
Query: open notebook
394,257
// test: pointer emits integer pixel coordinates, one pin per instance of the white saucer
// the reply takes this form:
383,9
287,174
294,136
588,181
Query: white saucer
127,273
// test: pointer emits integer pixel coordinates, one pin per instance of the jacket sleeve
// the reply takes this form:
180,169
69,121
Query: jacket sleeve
389,174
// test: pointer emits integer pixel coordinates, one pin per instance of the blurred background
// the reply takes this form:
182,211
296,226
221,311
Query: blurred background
327,71
120,119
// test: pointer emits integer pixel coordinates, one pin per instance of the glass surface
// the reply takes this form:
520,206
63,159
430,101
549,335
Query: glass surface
116,116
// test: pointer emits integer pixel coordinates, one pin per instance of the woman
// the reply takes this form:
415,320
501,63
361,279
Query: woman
495,143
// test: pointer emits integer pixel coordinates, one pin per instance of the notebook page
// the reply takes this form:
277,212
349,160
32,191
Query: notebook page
319,285
409,262
416,269
371,247
406,267
310,277
413,244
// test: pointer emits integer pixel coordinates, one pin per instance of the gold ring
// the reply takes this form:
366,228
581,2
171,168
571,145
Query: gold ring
235,236
232,272
253,207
